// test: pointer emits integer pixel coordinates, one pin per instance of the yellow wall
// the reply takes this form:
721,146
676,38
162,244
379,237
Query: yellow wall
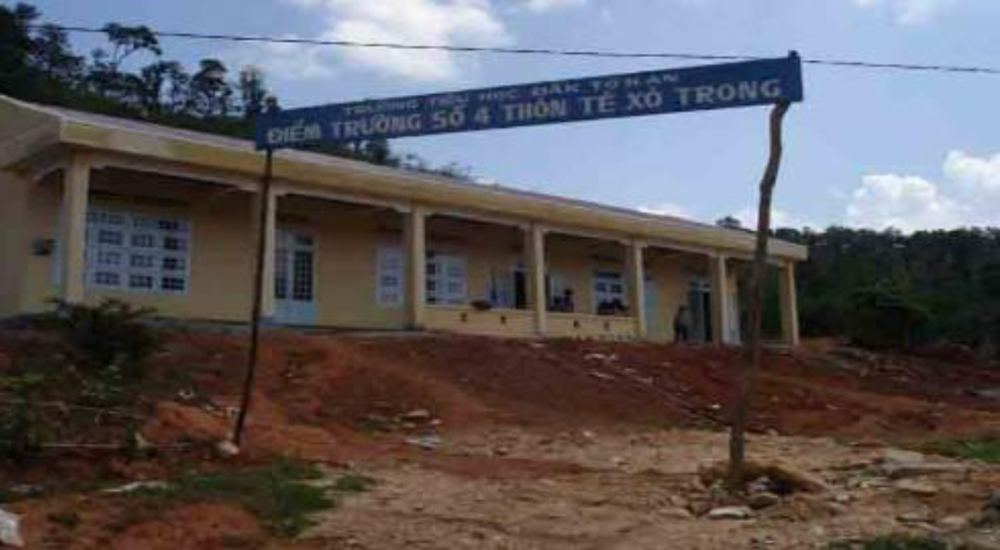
221,254
348,237
41,222
671,274
496,322
15,249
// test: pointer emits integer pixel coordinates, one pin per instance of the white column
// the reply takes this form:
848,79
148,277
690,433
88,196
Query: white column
268,302
637,286
73,228
416,266
789,305
721,315
534,255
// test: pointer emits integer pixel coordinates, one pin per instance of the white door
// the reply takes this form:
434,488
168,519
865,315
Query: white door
295,277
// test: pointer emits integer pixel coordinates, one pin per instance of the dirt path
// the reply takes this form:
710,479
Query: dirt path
639,490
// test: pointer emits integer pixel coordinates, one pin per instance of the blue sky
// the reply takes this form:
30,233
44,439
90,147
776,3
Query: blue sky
867,148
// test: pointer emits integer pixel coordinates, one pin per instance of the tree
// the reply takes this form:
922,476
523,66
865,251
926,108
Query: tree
16,48
211,94
52,54
885,315
253,92
126,41
153,80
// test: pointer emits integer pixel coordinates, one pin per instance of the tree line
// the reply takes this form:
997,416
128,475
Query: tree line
890,289
130,77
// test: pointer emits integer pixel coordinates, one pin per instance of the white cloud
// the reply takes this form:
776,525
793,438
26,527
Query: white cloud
909,12
967,197
907,203
548,5
667,209
438,22
286,61
978,175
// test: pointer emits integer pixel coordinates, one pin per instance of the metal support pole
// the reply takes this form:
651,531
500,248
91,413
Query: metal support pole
263,208
752,349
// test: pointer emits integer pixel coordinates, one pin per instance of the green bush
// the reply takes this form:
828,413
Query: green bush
111,334
985,449
283,494
894,543
884,316
21,432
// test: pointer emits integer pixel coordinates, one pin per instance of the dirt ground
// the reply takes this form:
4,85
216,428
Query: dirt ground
488,443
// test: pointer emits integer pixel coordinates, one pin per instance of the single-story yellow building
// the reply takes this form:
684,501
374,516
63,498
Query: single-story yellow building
93,207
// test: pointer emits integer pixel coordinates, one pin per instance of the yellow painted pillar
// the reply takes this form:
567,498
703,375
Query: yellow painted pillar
534,255
72,240
268,304
416,266
789,305
721,315
637,286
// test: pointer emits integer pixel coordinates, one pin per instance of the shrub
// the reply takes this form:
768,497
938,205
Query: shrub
20,428
113,333
885,316
894,543
283,494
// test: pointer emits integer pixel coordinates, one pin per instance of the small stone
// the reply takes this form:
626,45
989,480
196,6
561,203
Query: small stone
227,448
730,513
954,522
759,501
836,509
418,415
501,451
137,486
899,455
676,513
678,501
141,443
912,517
10,529
916,487
428,443
842,498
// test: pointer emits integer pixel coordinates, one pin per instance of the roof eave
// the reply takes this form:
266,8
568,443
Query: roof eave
395,183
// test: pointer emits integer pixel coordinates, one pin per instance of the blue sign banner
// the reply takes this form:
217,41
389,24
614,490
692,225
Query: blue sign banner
723,86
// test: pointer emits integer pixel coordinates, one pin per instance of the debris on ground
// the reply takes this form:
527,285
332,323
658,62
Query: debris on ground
136,486
10,529
553,444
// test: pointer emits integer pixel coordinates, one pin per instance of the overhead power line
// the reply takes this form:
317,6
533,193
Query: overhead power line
541,51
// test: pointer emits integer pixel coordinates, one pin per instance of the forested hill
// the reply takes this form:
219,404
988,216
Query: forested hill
879,288
129,76
887,288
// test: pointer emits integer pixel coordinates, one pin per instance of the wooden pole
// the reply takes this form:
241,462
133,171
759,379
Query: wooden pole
753,347
263,208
